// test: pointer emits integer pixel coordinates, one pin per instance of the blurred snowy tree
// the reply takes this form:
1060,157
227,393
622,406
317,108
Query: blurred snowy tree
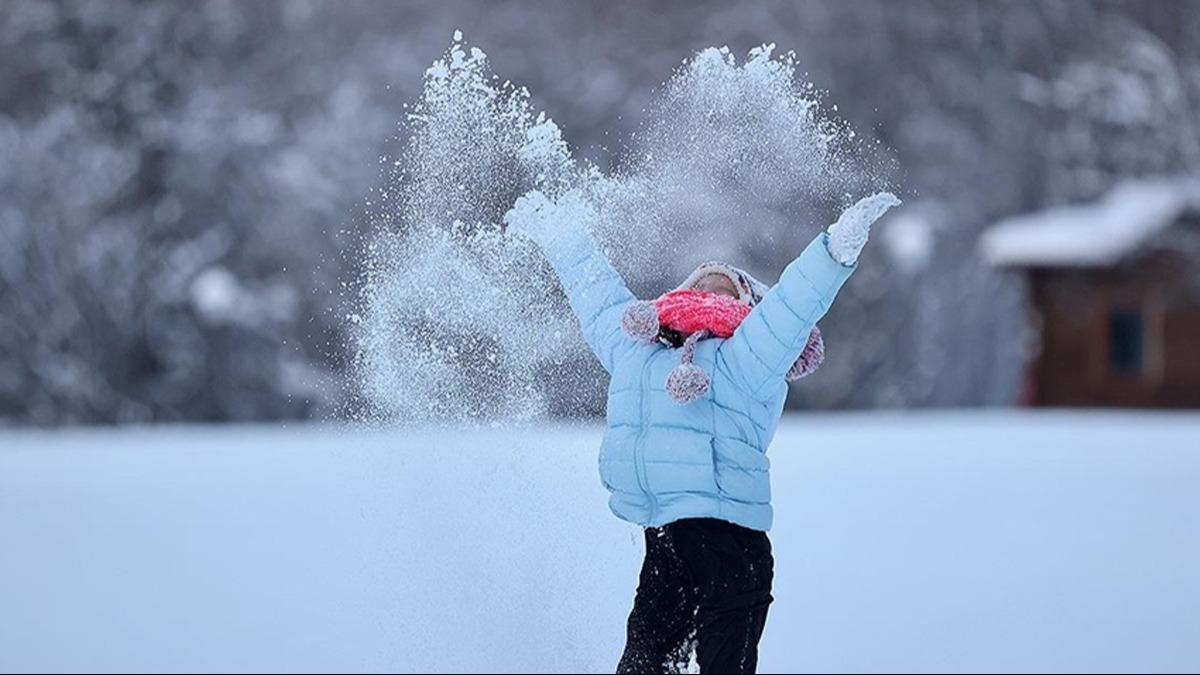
173,191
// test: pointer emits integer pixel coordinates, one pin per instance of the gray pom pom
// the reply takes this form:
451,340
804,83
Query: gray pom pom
686,383
640,320
810,359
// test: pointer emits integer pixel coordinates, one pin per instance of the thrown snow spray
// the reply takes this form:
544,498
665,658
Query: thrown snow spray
458,323
730,156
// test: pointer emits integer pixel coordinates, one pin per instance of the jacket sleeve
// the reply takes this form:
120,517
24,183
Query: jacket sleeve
772,336
595,290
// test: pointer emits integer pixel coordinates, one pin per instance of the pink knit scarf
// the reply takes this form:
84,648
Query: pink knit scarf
690,311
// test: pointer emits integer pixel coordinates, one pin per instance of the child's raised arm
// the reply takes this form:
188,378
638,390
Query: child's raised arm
773,335
595,290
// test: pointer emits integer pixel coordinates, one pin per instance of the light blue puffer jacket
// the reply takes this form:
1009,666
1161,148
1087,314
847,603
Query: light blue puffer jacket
663,461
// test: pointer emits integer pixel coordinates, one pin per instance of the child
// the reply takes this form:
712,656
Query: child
698,382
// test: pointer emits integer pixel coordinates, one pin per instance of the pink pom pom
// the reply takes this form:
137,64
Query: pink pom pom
810,359
686,383
640,320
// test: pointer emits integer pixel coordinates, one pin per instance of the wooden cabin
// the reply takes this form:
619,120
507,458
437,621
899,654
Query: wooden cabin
1114,296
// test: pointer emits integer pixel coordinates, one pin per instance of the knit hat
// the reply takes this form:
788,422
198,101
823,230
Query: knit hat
684,316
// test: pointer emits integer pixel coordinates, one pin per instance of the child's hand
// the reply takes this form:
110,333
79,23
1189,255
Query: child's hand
849,234
540,219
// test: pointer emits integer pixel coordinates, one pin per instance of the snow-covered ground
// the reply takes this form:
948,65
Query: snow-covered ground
928,542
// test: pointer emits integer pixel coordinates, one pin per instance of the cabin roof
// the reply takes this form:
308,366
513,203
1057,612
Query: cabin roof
1092,234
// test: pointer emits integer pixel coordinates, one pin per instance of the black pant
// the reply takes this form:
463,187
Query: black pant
705,584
